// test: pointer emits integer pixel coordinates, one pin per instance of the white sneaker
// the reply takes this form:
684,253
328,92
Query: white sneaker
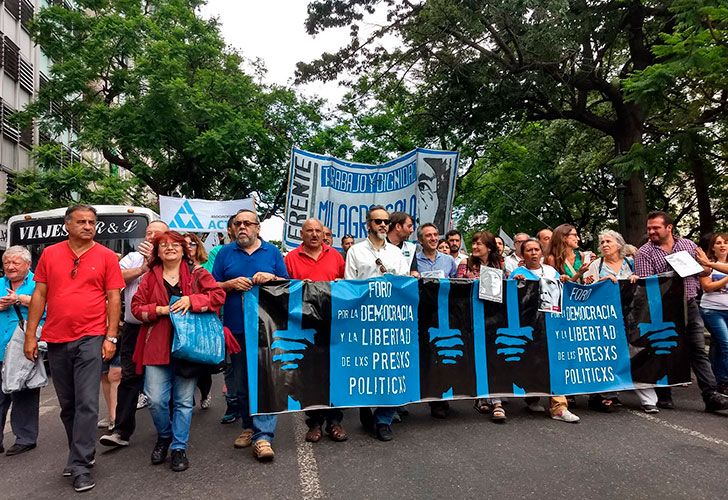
103,423
143,401
206,403
566,416
535,407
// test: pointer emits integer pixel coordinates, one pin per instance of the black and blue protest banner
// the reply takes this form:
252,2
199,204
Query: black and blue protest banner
397,340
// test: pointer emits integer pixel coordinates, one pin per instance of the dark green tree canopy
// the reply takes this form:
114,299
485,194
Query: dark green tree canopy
151,85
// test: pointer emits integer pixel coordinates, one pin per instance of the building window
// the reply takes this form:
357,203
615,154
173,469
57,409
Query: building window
26,136
10,131
13,8
25,75
11,54
26,14
2,52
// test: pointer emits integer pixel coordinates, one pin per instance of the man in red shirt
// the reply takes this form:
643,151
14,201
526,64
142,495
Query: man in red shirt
317,261
79,281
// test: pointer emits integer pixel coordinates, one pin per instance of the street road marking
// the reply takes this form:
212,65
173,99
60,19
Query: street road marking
307,467
679,428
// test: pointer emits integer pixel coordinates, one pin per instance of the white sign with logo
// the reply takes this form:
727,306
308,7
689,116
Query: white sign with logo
200,216
3,236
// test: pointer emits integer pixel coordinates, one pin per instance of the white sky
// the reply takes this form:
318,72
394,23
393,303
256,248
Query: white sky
273,30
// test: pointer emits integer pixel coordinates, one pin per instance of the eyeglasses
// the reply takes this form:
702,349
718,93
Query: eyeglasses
192,244
382,268
378,222
74,271
245,223
174,244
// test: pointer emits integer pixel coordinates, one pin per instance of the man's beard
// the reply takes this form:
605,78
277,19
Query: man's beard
377,234
246,241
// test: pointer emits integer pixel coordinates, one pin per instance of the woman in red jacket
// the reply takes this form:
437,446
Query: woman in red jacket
170,275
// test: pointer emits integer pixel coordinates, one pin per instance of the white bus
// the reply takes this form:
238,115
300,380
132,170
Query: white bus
119,227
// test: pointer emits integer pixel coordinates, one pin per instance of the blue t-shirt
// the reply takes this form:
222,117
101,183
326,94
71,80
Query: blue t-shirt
546,271
8,317
442,262
234,262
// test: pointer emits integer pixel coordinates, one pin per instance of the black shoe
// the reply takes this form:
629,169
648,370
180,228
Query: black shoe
384,432
1,448
366,418
716,402
179,461
83,482
159,453
723,388
17,449
439,409
229,417
667,404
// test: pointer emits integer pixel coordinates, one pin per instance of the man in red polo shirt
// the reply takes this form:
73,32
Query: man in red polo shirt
79,280
317,261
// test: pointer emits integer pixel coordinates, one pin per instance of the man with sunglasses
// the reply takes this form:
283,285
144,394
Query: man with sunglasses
372,258
80,282
245,262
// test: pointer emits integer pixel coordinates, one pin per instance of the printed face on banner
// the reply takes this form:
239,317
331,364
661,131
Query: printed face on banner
339,193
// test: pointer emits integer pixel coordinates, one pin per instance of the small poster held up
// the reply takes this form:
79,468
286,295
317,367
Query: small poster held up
491,284
551,292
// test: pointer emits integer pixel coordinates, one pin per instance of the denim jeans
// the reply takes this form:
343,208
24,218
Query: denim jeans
264,426
384,415
716,321
159,383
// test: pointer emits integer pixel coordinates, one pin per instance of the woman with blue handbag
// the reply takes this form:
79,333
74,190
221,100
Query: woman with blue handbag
166,376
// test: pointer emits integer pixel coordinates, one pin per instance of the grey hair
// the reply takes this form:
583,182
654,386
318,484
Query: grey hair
18,250
616,237
247,210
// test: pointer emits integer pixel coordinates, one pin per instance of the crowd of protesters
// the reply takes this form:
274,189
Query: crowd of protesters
76,295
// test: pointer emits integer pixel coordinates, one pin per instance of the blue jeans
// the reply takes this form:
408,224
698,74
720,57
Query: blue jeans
716,321
159,382
384,415
264,426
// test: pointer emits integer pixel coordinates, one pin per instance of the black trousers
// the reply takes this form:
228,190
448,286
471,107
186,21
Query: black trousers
76,369
130,385
699,361
23,416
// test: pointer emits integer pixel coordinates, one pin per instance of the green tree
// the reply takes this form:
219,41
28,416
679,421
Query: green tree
686,91
49,186
152,86
478,67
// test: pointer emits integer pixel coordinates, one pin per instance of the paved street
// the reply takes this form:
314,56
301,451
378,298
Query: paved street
675,454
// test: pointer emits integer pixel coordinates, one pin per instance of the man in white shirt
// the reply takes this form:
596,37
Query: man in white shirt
455,242
372,258
401,228
133,266
514,259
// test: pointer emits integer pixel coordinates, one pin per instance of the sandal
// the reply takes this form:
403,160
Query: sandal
314,435
603,405
337,433
498,414
482,406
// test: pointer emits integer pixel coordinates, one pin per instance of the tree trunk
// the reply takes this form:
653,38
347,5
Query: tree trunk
700,179
634,199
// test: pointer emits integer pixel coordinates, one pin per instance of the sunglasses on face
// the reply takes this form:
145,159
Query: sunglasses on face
382,268
74,271
192,244
245,223
378,222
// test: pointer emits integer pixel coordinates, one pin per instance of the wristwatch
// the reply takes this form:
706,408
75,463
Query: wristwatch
113,340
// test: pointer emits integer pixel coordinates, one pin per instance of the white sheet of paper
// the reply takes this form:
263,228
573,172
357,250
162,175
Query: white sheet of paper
491,284
684,264
438,273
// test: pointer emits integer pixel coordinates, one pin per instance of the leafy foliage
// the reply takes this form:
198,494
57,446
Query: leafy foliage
152,86
49,186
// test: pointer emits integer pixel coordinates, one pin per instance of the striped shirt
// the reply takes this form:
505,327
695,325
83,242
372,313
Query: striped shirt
650,260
